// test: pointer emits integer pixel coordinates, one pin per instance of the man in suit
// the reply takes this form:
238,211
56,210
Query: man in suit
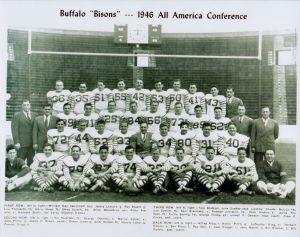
41,125
263,135
142,141
21,126
232,103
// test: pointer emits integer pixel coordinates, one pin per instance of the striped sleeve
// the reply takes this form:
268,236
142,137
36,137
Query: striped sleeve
202,104
138,171
186,103
148,101
35,164
88,168
195,147
221,146
113,168
72,101
168,103
67,173
172,147
223,107
110,144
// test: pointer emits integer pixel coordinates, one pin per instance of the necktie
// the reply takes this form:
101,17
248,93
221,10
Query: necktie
27,115
46,121
240,120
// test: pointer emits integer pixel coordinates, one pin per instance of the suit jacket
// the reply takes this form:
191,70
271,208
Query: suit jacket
40,130
21,128
142,147
245,126
231,108
263,137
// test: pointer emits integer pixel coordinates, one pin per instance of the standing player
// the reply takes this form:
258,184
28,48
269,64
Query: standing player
80,98
198,119
161,96
101,97
133,117
213,100
153,117
99,169
68,116
163,139
121,138
73,177
242,172
120,96
219,123
174,119
58,97
140,95
176,95
46,168
88,115
193,98
111,116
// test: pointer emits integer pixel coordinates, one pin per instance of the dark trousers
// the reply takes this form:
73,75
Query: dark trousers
26,153
258,157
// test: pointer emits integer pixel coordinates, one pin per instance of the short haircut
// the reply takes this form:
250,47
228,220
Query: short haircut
133,102
47,105
265,107
183,123
123,120
121,80
206,124
83,83
230,123
111,102
179,149
103,147
48,144
59,81
178,103
129,147
210,148
82,120
60,120
66,104
230,88
10,147
153,101
241,149
198,106
87,104
177,80
75,146
100,81
163,125
270,150
158,81
216,108
25,100
100,121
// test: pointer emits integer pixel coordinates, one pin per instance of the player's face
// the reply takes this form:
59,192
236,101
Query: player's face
60,126
103,154
270,156
47,110
67,109
218,113
48,151
241,110
124,127
214,91
59,86
164,131
265,113
133,108
154,107
198,112
159,86
193,89
101,85
111,107
155,154
210,154
88,110
232,130
82,126
206,131
179,155
144,128
26,106
12,154
121,85
229,93
176,85
129,154
75,152
178,109
139,84
184,129
82,88
100,127
241,156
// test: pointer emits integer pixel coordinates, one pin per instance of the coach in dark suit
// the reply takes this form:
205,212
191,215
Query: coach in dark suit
142,141
232,103
263,135
41,125
21,126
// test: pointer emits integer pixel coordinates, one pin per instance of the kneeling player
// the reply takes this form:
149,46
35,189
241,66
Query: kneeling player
210,170
46,168
100,169
180,168
73,177
156,167
129,178
242,172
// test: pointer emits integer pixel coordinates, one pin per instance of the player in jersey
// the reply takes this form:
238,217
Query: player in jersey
213,100
133,117
88,115
101,97
156,167
174,119
182,139
218,122
198,119
230,141
68,116
211,170
121,138
129,177
242,172
80,98
160,96
120,96
60,137
202,140
81,137
111,116
163,139
176,95
46,168
140,95
58,97
180,169
73,176
100,168
153,117
193,98
101,136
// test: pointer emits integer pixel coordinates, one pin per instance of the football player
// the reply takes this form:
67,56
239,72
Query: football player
153,117
198,119
101,97
133,117
213,100
176,95
120,96
111,116
68,116
88,115
80,98
194,98
140,95
121,138
161,96
174,119
218,122
163,139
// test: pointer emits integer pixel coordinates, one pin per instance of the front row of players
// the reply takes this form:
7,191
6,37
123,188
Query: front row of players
129,173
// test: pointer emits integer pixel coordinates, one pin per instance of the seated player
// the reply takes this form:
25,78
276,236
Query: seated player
273,178
100,168
213,100
163,139
88,115
242,172
218,122
73,177
198,119
17,173
140,95
121,138
80,98
111,116
156,167
194,98
176,95
46,168
210,170
101,97
133,117
60,137
100,136
230,141
129,178
68,116
204,139
81,136
120,96
174,119
153,116
180,170
161,96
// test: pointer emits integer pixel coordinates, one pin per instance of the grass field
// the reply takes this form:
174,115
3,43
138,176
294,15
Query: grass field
284,152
